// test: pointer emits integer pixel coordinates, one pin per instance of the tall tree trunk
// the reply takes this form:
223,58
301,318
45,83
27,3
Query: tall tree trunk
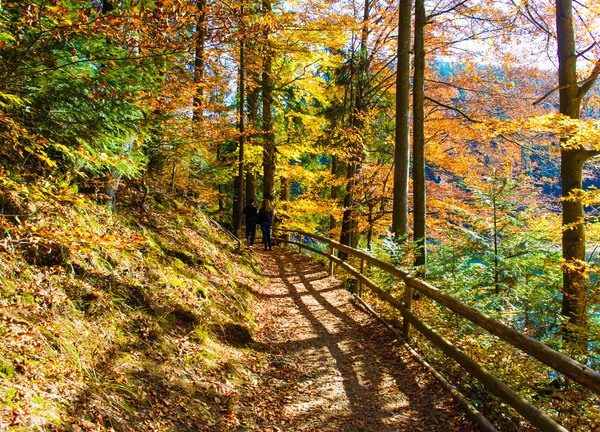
573,238
419,188
349,223
402,150
252,102
346,235
496,239
250,185
335,195
239,202
199,64
267,102
371,221
284,196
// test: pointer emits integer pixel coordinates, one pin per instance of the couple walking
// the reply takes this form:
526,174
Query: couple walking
262,217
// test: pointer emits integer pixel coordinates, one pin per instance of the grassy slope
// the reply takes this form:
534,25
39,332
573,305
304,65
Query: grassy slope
133,321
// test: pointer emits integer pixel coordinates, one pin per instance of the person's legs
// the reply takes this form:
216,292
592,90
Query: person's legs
252,234
265,234
248,233
268,233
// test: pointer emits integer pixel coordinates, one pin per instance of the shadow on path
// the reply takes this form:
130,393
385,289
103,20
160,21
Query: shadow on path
336,368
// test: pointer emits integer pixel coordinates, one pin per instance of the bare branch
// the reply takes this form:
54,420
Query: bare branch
587,49
461,112
589,82
450,9
586,85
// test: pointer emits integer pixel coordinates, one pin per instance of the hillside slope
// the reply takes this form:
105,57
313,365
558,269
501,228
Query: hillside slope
126,321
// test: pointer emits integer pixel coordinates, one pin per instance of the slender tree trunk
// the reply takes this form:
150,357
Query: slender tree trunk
419,186
573,238
199,64
220,191
239,202
284,196
252,102
371,225
250,185
267,102
346,235
349,223
495,228
402,150
334,190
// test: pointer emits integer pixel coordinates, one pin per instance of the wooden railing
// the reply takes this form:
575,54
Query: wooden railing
578,372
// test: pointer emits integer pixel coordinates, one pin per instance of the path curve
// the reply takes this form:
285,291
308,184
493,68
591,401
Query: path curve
331,366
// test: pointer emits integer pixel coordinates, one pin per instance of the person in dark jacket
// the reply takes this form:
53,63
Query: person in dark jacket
250,211
265,219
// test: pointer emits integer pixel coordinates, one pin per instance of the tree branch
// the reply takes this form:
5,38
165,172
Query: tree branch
450,9
589,82
462,113
586,85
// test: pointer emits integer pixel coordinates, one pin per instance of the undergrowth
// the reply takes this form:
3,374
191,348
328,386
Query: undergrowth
136,320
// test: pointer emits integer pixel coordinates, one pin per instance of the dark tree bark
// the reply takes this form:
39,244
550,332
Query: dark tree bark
239,201
419,187
267,102
572,160
335,194
284,196
349,235
199,64
347,222
250,184
252,102
402,151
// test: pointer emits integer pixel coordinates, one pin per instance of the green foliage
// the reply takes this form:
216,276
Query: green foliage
71,98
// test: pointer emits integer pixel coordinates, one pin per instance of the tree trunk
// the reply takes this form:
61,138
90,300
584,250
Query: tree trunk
402,150
573,238
239,202
419,188
252,103
250,185
267,102
346,235
371,221
496,239
199,64
334,190
349,235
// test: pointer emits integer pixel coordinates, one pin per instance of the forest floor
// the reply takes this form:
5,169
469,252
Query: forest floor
327,365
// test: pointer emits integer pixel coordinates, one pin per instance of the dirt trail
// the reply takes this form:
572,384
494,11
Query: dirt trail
331,366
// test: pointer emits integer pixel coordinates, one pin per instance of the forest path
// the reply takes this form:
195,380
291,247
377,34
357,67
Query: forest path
333,367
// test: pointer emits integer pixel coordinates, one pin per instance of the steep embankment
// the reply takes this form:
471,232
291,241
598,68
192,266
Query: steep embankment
144,321
127,321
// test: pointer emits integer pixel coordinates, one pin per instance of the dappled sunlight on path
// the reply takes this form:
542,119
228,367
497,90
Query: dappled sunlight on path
332,367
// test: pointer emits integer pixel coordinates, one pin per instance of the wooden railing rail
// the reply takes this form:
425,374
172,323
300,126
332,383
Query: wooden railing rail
557,361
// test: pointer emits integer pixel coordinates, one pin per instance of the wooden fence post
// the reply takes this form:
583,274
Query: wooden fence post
331,251
300,245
